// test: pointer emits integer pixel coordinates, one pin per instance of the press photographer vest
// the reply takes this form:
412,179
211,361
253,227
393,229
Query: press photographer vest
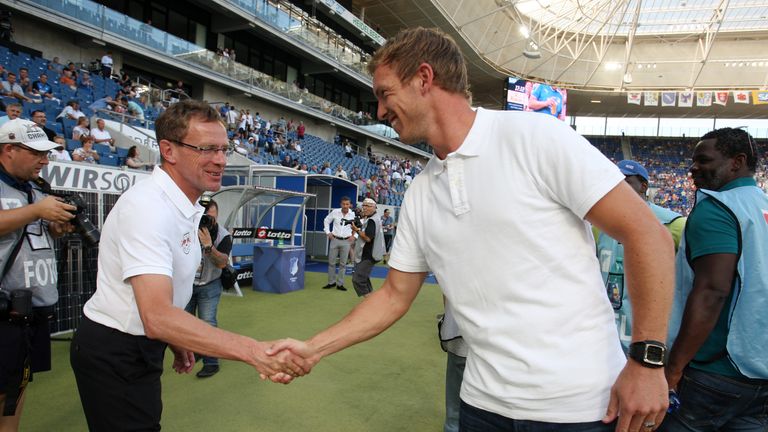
208,271
378,242
35,265
610,253
747,345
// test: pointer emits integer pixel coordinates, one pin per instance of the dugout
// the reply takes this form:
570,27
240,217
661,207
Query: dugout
327,191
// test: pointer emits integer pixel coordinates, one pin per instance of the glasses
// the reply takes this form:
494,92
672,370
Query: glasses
208,150
42,154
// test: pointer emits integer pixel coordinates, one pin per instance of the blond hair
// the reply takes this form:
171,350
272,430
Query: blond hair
411,47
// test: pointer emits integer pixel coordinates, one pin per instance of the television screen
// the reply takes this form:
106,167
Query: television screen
523,95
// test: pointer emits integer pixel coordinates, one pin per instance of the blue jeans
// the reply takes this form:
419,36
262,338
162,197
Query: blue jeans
711,402
474,419
205,300
454,375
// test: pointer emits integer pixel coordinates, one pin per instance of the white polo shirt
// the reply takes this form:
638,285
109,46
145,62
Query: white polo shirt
500,223
99,134
335,217
152,229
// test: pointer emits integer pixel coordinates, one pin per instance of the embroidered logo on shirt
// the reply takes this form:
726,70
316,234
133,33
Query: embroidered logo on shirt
186,243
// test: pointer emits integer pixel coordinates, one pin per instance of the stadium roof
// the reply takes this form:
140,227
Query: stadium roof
600,48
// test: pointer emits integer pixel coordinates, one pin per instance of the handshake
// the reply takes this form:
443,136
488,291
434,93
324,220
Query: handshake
284,360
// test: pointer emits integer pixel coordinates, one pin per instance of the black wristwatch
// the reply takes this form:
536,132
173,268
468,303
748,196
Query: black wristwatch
649,353
207,249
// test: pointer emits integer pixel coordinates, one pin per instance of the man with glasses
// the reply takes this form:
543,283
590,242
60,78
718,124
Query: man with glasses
369,247
29,220
41,120
148,257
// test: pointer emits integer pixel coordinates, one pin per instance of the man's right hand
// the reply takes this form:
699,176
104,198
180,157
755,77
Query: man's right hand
281,366
53,209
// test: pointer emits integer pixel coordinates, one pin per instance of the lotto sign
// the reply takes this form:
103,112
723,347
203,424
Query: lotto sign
273,234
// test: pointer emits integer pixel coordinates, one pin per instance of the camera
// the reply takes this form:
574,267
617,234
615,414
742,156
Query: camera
82,222
16,305
357,222
207,221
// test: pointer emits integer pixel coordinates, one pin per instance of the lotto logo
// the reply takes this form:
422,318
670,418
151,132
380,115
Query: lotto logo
261,233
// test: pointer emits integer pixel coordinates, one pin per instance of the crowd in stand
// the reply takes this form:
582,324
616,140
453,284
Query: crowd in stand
282,142
667,164
61,97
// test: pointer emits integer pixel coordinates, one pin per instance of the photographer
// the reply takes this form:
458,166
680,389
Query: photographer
29,220
369,247
216,243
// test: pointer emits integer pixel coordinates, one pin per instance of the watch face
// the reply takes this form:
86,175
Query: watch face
654,354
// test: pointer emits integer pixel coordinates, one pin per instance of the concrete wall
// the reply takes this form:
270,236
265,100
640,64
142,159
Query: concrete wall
56,42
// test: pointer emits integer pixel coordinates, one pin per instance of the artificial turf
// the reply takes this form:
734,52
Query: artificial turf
394,382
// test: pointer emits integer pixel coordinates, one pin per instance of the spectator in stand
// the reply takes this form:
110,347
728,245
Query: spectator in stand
101,135
133,108
125,80
12,112
60,153
81,129
348,150
105,103
300,131
106,65
24,80
341,173
10,88
286,162
42,88
55,66
224,110
133,160
86,153
41,120
68,79
304,167
71,111
327,168
232,117
313,170
85,81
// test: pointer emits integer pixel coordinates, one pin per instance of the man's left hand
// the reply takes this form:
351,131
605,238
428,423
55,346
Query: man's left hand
205,237
639,398
183,360
673,377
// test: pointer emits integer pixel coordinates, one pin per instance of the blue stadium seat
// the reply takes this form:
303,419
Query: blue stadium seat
102,149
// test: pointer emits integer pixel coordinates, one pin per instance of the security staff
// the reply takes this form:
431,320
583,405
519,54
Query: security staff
369,247
29,221
611,253
341,239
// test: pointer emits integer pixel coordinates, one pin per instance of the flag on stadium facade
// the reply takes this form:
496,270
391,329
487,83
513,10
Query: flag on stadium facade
668,99
634,97
760,97
704,98
651,98
741,97
685,99
721,98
